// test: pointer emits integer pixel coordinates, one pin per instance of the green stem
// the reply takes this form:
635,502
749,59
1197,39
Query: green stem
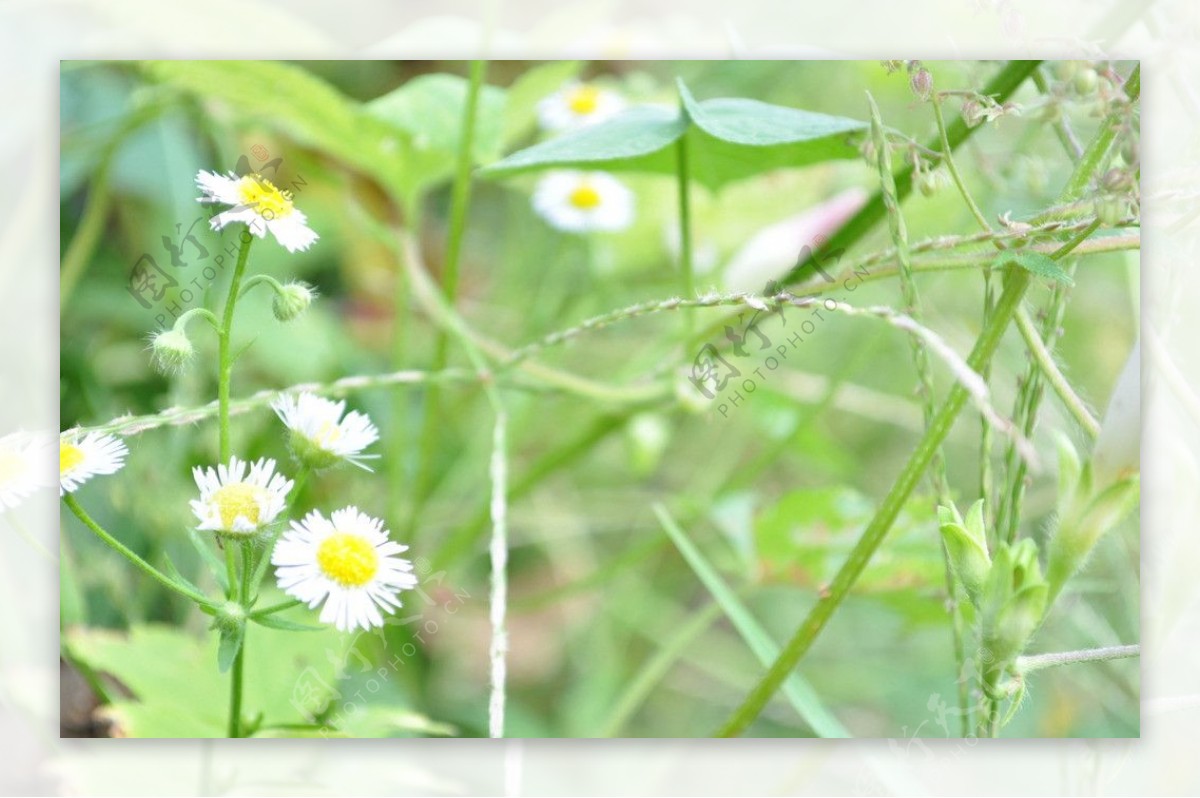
683,179
1000,88
1036,662
1045,362
952,168
128,554
1017,283
460,201
225,366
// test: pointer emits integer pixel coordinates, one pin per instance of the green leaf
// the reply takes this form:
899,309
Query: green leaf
393,721
176,692
637,140
291,99
523,96
179,578
730,139
229,646
275,622
1035,262
802,696
215,566
429,111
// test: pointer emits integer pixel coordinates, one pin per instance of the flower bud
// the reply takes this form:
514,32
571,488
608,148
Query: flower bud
291,300
1110,209
646,436
972,113
921,83
966,548
1014,600
928,182
230,616
691,397
171,350
1085,81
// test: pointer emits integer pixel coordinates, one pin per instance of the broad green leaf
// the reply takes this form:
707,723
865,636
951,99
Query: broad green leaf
805,537
302,105
728,140
523,96
1037,263
637,140
177,691
802,696
430,109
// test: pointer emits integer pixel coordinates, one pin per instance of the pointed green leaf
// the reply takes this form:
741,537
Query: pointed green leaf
215,566
1036,263
275,622
802,696
230,645
179,578
637,140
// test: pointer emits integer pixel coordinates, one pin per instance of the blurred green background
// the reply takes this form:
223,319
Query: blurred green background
774,495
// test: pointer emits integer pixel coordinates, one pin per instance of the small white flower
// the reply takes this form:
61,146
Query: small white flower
583,202
320,436
81,458
259,204
24,466
230,501
577,105
348,562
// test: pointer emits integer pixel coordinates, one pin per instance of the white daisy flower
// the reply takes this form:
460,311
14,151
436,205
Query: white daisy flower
81,458
348,562
583,202
259,204
577,105
320,436
24,466
230,501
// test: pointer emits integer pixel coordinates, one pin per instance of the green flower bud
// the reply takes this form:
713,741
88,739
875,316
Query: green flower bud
230,616
291,300
966,548
171,351
1085,81
1014,600
1084,523
690,397
1110,209
1065,70
646,436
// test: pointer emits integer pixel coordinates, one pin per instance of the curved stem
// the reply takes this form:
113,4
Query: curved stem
225,365
1036,662
1054,375
128,554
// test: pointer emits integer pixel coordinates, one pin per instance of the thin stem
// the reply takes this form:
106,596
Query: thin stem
460,200
683,180
1016,284
952,168
1000,88
1054,375
225,366
1036,662
128,554
498,552
912,302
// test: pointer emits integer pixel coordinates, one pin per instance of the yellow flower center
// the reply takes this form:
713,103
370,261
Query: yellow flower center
347,559
69,456
584,198
237,499
584,100
266,200
328,434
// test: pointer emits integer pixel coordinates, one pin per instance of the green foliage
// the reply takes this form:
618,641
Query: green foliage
1035,263
729,140
176,691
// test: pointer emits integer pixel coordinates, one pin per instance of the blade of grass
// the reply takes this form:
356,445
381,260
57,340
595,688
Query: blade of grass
798,691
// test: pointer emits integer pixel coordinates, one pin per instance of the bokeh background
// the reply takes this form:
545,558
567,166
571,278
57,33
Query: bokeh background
1160,35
